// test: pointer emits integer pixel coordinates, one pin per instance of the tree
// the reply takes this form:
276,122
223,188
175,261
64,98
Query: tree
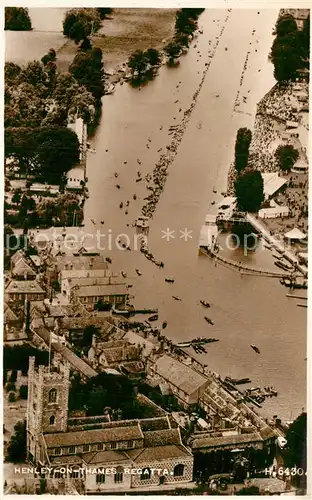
50,56
138,63
251,490
87,69
286,57
80,23
85,45
286,156
13,376
58,150
184,23
23,392
12,397
104,11
17,446
172,50
243,140
87,336
249,190
16,198
296,448
305,39
285,24
17,19
153,57
10,387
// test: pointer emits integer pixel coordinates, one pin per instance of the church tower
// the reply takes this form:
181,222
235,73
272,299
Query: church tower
47,404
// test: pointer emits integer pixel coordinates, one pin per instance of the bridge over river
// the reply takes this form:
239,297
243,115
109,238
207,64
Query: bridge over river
242,268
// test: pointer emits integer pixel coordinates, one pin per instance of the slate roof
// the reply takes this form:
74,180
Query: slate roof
16,286
76,362
154,424
179,375
113,434
104,457
8,314
162,437
72,262
267,433
226,440
22,267
99,290
159,453
17,256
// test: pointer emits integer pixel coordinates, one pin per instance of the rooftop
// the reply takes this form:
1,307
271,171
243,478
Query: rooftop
87,262
94,280
99,290
24,287
179,374
158,453
162,437
272,183
112,434
212,442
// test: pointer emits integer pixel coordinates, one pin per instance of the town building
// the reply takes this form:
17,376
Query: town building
272,184
100,459
112,354
24,290
186,384
111,293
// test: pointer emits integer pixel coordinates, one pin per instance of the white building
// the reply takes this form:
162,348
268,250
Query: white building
272,183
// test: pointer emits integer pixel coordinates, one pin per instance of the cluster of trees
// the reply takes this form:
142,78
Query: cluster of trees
295,453
103,391
291,48
185,25
79,24
37,95
87,70
249,190
17,357
46,152
16,451
249,182
17,19
143,64
10,386
66,212
286,157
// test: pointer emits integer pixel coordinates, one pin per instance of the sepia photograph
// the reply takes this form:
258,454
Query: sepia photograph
155,221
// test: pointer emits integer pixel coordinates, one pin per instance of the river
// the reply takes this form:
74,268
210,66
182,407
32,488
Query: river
246,309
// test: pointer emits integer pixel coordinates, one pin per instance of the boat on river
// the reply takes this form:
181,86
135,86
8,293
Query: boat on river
255,348
169,280
123,274
238,381
294,283
209,320
138,272
175,297
204,303
282,265
153,318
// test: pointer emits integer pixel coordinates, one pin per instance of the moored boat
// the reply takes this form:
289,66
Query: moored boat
175,297
204,303
153,318
255,348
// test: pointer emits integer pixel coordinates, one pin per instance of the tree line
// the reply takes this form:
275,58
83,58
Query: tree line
290,51
144,64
